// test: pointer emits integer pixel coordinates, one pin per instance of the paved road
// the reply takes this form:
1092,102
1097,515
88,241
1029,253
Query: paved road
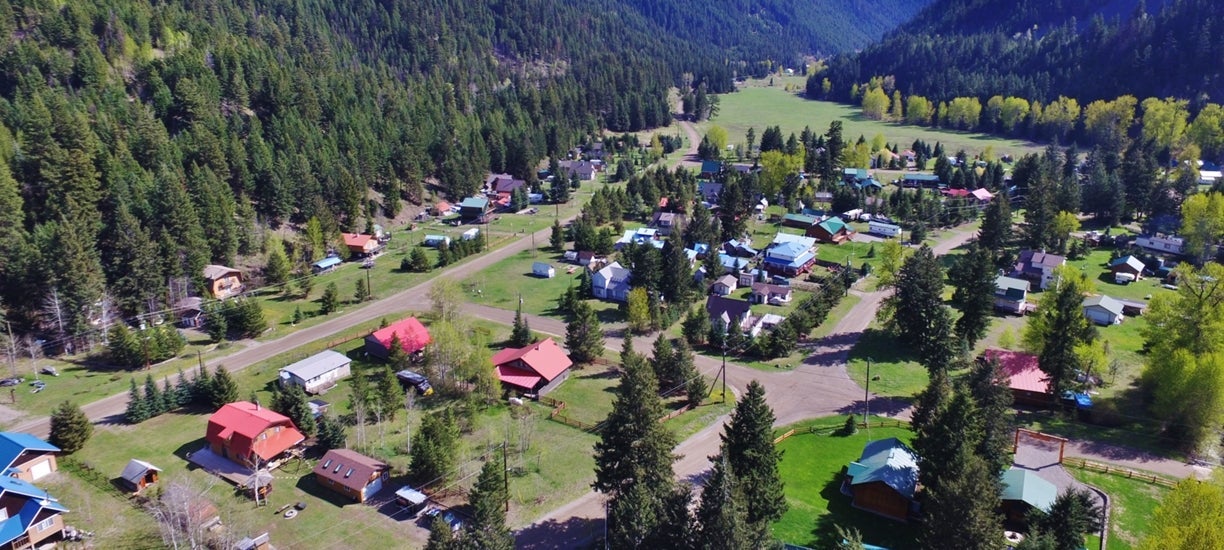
110,409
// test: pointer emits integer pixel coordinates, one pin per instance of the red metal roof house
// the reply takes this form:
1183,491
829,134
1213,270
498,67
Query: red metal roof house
361,245
412,336
537,368
1029,385
242,431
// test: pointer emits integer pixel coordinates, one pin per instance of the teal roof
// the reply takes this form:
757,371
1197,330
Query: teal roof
833,225
1026,486
887,460
800,218
921,177
474,202
1010,283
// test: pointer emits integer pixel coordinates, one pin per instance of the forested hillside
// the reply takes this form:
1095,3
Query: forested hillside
1084,49
775,30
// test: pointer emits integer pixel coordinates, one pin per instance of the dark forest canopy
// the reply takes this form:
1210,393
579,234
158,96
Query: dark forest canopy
1038,50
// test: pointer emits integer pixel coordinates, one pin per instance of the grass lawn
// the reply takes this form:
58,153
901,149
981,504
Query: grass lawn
895,371
112,521
856,252
761,107
504,283
811,469
1095,266
1132,506
695,420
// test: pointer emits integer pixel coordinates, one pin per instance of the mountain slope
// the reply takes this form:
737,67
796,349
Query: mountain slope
1087,49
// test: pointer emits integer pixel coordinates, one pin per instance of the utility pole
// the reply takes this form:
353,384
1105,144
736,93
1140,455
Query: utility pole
867,400
369,289
12,349
505,475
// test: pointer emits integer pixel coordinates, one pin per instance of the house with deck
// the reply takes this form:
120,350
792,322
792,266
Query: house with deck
352,474
537,368
884,479
361,246
790,255
1028,384
730,312
1011,295
26,457
831,230
222,281
29,517
474,210
1038,267
250,435
611,283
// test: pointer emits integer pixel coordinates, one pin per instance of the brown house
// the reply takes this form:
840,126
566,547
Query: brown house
832,230
884,479
33,517
251,435
222,281
351,474
26,457
360,245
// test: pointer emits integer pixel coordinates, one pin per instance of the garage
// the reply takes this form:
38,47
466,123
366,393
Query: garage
40,469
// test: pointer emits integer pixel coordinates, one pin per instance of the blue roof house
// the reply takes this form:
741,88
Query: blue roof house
883,480
26,457
32,516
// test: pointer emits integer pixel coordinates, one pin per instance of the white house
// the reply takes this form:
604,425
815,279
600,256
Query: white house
1103,310
883,229
317,373
541,269
471,234
611,283
724,286
436,240
1162,243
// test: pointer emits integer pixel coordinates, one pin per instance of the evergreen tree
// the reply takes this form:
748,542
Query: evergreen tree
961,509
70,428
721,516
169,396
182,390
695,326
435,448
663,361
520,334
1073,514
919,316
556,239
201,386
583,336
216,322
124,349
418,262
441,537
152,397
330,302
361,293
276,271
747,444
676,276
330,433
137,411
390,393
695,387
973,275
488,530
223,389
989,387
1058,327
291,402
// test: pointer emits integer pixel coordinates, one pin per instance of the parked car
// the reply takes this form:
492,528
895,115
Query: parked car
412,379
10,382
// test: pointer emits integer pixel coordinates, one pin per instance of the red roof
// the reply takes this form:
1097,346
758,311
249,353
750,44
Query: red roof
239,425
412,335
959,193
527,366
355,240
1021,370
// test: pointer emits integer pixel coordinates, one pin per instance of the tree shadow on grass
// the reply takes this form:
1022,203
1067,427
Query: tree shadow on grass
190,447
874,529
552,534
881,347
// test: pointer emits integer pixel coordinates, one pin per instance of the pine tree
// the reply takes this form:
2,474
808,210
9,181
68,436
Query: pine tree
747,444
556,239
696,325
418,261
216,322
663,361
390,393
330,302
435,448
996,230
202,387
70,428
583,336
520,334
973,275
695,387
152,397
276,271
989,387
169,396
721,517
182,390
330,433
441,537
223,389
488,530
361,293
961,508
137,411
919,315
291,402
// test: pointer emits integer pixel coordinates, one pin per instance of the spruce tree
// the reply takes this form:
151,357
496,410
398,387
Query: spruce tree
487,530
330,302
663,361
583,336
292,402
520,334
435,448
441,537
330,433
556,239
216,322
1073,514
169,396
361,292
695,387
137,411
390,393
152,397
70,428
919,316
721,517
223,388
201,386
988,385
418,262
996,230
696,325
973,275
960,510
747,444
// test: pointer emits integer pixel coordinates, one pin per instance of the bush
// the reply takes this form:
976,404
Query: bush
851,426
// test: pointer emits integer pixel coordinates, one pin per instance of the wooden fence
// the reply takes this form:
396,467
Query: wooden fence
1117,471
825,430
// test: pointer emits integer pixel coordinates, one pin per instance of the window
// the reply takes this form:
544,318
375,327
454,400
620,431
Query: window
3,514
327,463
45,524
337,470
348,473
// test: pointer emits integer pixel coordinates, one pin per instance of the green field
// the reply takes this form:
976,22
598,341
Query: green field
1132,505
811,471
895,371
760,107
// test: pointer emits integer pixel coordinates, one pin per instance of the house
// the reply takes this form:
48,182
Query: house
926,181
1038,267
360,246
584,169
725,285
739,249
731,264
611,283
641,235
767,293
1167,244
731,312
543,270
498,184
412,335
854,175
325,265
441,208
32,518
1126,269
537,368
981,195
351,474
832,230
1103,310
474,210
190,312
665,222
748,276
222,282
435,241
883,229
26,457
799,221
883,480
250,435
137,475
582,257
317,373
790,255
1028,384
1011,295
1023,492
710,168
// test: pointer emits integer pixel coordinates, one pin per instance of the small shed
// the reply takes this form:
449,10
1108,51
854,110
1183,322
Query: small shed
1127,265
541,269
725,285
434,241
410,499
325,265
258,542
1103,310
470,234
138,474
883,480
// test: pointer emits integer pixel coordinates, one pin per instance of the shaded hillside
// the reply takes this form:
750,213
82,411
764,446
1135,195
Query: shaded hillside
1087,49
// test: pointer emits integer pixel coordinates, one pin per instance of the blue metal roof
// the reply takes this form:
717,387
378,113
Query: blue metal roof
12,444
887,460
329,261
